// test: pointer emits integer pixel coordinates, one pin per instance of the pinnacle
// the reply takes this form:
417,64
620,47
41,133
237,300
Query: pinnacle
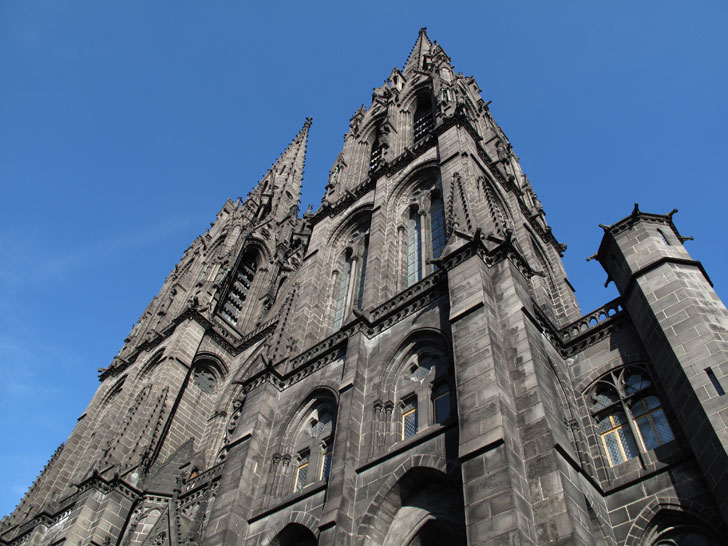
294,149
283,180
422,46
300,139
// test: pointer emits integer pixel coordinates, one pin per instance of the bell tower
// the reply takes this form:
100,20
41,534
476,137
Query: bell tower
406,365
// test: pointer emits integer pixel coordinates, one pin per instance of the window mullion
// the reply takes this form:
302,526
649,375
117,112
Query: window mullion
423,243
603,436
350,289
635,433
314,460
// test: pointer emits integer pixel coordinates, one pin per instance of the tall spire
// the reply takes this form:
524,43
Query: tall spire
421,48
279,191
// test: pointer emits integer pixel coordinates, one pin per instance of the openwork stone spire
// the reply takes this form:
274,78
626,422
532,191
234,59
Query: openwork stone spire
419,50
279,191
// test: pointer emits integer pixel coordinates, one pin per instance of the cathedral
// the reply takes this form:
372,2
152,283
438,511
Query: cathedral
405,366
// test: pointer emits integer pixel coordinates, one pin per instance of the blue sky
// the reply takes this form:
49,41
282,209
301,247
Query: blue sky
126,125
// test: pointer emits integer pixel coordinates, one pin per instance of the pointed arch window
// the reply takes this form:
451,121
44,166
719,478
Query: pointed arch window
362,275
628,415
425,234
239,289
315,446
301,471
426,393
423,119
414,248
350,289
409,417
376,159
441,403
340,309
437,226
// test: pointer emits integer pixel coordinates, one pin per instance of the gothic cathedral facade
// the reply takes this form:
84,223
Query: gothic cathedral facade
406,366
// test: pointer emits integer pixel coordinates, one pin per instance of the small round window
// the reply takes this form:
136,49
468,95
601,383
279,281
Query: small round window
204,379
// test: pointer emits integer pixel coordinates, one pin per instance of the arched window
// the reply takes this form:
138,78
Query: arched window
206,375
628,415
425,233
414,247
377,155
424,393
437,226
239,288
423,120
409,417
350,285
342,292
314,445
441,402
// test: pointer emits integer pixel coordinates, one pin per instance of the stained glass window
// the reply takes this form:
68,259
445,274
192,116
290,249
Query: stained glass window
409,418
341,294
301,472
414,249
437,225
441,401
326,463
628,415
362,275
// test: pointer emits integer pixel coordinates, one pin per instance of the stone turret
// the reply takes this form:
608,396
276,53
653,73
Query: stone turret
681,322
408,365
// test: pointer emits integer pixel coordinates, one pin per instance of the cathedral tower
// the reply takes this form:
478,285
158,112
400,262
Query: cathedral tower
407,365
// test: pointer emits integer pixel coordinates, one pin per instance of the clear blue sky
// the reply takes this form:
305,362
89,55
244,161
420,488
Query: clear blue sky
124,126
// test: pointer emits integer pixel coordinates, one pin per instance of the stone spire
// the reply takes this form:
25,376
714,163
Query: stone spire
278,193
421,48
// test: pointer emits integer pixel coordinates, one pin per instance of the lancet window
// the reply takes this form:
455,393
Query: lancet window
352,275
314,445
414,247
376,158
239,288
628,415
423,119
425,234
409,417
437,226
425,393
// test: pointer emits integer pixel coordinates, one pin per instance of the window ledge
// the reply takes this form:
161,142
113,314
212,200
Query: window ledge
656,460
